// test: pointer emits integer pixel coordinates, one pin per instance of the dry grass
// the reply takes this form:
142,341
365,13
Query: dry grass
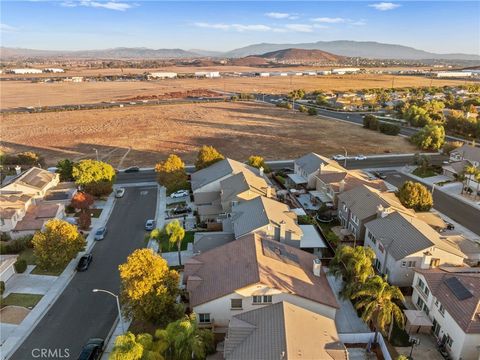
142,136
21,93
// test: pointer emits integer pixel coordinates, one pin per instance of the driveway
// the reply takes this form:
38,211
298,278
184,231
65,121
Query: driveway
78,314
29,284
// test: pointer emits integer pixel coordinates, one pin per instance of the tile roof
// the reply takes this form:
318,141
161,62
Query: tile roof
403,235
253,214
465,312
364,201
36,216
35,178
241,182
248,261
204,241
349,180
217,171
468,152
282,331
14,200
311,162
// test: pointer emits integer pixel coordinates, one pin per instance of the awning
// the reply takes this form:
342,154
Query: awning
297,179
299,211
417,318
311,238
320,195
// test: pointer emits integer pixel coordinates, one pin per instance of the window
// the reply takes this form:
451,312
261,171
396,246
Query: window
404,264
204,318
441,310
412,264
265,299
354,219
372,238
420,303
420,284
236,303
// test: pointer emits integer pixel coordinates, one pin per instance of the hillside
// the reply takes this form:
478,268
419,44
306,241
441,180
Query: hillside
302,56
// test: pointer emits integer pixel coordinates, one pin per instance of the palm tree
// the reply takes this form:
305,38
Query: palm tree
377,300
470,171
160,236
176,234
182,339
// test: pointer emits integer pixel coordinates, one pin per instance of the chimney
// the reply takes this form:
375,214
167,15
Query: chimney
317,267
261,170
268,192
341,186
426,260
18,170
381,211
282,230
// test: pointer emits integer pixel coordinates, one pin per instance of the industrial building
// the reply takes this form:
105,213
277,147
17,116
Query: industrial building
53,70
452,74
24,71
207,74
163,75
344,71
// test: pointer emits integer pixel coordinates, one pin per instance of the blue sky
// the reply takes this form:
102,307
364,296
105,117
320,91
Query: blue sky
443,27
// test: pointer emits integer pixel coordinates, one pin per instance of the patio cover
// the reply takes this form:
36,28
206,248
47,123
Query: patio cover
417,318
320,195
297,179
311,238
299,211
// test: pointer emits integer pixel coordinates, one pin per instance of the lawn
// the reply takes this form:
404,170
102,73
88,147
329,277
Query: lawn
424,172
52,272
28,256
329,234
166,247
25,300
95,213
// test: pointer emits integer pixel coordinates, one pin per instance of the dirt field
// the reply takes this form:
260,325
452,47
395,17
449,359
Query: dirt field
142,136
19,93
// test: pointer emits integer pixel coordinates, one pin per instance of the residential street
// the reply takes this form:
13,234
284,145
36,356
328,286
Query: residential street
80,314
455,209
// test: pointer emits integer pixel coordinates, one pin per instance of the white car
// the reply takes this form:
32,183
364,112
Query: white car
338,157
119,192
179,194
360,157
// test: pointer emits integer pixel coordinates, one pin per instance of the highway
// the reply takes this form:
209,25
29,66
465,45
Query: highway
79,314
455,209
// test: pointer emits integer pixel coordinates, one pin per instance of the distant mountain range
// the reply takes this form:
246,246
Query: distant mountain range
363,49
302,56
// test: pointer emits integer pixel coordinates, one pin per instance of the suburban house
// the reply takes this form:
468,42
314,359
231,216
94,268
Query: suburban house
403,243
466,155
207,186
361,204
6,266
332,181
266,333
451,300
35,182
13,208
253,272
305,170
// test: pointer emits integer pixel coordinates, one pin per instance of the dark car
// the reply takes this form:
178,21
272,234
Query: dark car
182,210
92,350
380,175
132,169
84,262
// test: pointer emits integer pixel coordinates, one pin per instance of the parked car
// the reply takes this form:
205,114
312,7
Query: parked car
119,192
450,226
100,233
132,169
92,350
360,157
182,210
179,194
150,225
338,157
380,175
84,262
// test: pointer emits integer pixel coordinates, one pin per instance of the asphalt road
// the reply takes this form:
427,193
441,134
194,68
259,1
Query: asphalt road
79,314
455,209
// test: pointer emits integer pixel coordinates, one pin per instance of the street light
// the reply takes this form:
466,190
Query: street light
345,160
118,305
96,151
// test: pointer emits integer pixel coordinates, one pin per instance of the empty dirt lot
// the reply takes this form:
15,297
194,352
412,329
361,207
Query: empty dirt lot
24,93
142,136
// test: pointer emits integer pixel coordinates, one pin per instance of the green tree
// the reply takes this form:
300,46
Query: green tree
176,234
207,156
312,111
95,177
56,245
149,288
171,173
322,100
29,158
258,162
469,172
370,122
65,168
431,137
378,301
414,195
137,347
184,340
296,94
302,108
160,236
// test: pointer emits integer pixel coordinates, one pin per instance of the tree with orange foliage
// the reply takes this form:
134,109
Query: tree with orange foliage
82,200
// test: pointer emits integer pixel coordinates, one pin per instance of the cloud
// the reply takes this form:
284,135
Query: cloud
360,22
299,27
110,5
279,15
384,6
236,27
329,20
7,28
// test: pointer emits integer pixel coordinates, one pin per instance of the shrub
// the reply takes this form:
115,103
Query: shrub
20,266
302,108
370,122
305,220
16,246
312,111
99,189
4,236
2,287
69,209
389,129
415,196
285,105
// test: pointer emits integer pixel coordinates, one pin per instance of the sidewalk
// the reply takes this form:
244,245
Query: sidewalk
24,329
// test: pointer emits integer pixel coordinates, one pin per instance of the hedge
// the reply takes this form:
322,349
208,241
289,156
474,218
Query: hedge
389,129
20,266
